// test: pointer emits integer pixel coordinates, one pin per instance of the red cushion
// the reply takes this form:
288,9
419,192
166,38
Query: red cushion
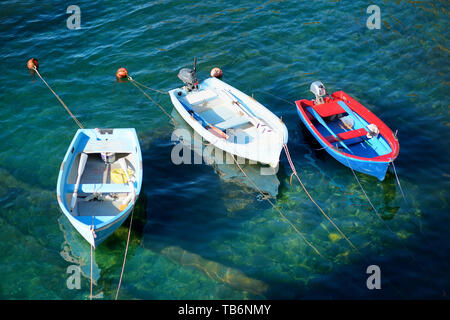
348,135
328,109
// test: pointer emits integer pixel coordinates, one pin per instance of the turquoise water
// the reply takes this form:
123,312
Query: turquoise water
201,231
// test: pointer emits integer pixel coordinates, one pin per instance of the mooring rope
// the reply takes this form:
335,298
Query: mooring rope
150,98
59,99
146,87
267,92
360,185
398,182
408,250
294,172
125,255
90,296
277,209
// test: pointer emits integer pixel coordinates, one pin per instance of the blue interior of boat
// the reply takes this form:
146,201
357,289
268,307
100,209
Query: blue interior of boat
359,146
220,116
95,220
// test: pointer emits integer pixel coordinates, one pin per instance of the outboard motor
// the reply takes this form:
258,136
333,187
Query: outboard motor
189,77
319,91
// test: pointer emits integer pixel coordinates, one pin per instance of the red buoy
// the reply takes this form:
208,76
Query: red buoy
122,73
32,63
216,73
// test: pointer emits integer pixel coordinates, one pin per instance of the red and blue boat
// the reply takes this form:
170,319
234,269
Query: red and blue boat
348,131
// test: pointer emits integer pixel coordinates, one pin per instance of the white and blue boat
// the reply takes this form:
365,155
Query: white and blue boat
229,119
100,180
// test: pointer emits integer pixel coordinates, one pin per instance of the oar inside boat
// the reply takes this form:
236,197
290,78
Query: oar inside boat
81,166
236,102
208,126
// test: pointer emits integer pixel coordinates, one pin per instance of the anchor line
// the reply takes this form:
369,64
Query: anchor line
277,209
365,194
294,172
408,250
59,99
139,86
150,98
92,247
398,182
368,199
146,87
125,255
266,92
90,295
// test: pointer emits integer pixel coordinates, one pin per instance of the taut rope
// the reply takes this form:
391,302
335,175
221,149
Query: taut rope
59,99
398,182
277,209
144,86
90,296
294,172
125,255
137,85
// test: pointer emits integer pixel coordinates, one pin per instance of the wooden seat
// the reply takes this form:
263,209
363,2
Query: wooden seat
197,97
348,135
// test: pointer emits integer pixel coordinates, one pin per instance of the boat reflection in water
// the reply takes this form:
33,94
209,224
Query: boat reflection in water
108,257
190,148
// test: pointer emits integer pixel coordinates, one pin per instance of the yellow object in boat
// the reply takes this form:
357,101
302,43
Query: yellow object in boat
123,206
119,176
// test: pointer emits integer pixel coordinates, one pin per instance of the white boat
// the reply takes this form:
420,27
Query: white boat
229,119
100,180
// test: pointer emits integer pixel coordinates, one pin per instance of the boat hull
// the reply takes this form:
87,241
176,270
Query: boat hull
376,164
99,223
265,150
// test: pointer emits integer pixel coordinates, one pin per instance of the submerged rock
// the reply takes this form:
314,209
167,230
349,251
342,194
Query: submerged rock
216,271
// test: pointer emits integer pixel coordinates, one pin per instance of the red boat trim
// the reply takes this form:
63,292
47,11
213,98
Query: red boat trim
363,112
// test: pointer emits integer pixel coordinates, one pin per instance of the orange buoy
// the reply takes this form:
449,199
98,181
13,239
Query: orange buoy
32,63
122,73
216,73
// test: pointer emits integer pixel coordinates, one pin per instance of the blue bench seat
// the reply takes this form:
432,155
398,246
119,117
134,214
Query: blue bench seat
233,122
99,188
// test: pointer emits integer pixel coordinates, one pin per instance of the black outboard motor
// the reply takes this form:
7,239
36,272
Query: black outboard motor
189,77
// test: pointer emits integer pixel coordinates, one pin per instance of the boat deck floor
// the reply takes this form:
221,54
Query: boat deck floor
99,208
220,113
96,207
96,172
359,146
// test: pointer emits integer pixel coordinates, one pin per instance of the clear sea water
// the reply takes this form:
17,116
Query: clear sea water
201,231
